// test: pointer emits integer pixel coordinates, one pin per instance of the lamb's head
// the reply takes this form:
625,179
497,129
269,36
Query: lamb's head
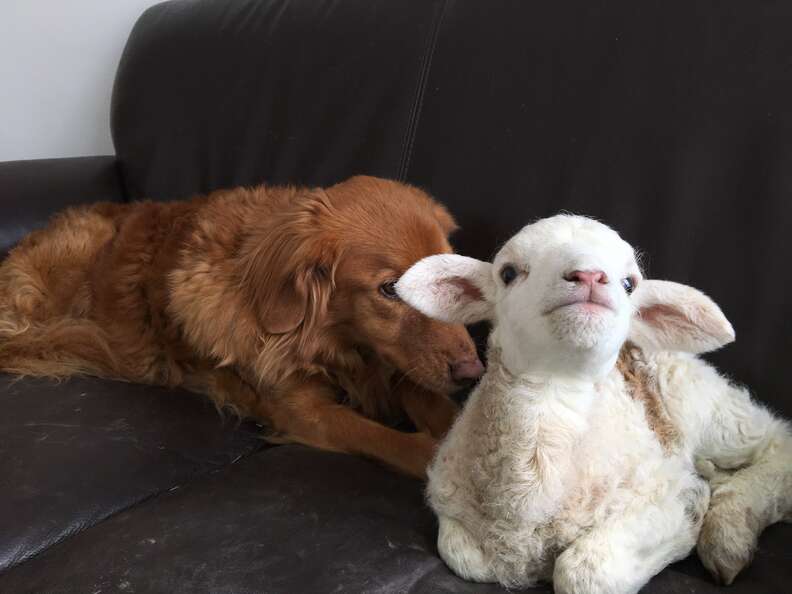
564,295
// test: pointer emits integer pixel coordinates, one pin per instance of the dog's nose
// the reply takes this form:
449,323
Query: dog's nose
587,277
466,371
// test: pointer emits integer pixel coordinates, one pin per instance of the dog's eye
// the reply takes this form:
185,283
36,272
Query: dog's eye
508,273
628,284
388,289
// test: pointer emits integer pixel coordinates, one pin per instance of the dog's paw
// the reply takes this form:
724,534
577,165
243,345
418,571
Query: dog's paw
273,437
727,540
422,450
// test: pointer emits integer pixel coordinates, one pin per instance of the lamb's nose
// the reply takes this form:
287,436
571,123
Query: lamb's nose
466,371
587,277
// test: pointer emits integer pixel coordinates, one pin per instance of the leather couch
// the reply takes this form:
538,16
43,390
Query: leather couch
670,120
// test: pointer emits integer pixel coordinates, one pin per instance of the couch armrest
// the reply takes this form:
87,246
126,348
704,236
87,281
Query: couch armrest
32,191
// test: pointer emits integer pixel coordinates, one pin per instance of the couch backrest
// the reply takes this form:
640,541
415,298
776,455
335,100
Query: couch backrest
218,93
672,121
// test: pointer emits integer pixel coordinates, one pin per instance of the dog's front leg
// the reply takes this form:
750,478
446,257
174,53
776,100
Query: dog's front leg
307,412
431,412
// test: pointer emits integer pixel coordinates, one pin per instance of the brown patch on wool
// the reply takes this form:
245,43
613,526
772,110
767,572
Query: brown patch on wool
643,388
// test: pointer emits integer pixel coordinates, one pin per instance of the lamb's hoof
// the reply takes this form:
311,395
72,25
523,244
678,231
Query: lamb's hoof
461,553
726,543
722,574
576,572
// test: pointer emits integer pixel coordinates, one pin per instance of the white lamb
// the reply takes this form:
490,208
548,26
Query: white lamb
580,455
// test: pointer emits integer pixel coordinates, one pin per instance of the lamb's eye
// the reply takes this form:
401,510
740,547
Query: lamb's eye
628,284
388,290
508,273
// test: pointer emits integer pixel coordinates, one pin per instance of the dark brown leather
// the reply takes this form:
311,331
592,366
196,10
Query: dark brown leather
212,94
289,520
32,191
76,452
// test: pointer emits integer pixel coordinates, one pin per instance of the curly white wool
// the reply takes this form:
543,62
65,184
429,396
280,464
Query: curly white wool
553,470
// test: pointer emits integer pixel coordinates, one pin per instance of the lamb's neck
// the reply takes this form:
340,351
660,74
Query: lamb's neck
554,360
571,392
553,381
535,384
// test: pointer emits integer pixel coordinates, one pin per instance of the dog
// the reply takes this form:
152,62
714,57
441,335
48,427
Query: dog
276,302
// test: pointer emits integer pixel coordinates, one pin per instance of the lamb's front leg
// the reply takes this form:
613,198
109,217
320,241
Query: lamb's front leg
621,555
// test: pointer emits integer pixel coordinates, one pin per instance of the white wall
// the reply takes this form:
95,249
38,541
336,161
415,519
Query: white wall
57,63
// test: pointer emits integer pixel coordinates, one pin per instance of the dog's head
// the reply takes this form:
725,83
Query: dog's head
325,274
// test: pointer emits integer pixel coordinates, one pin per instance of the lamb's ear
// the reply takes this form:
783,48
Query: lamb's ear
450,288
676,317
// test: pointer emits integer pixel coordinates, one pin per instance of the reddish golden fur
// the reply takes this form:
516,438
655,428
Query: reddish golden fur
265,299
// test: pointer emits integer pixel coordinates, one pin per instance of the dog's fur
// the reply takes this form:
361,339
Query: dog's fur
266,299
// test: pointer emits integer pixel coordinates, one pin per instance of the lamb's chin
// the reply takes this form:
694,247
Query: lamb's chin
581,326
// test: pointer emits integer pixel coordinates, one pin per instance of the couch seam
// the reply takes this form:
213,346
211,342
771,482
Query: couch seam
257,448
121,178
420,91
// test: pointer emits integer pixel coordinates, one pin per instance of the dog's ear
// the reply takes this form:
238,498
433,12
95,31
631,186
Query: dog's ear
288,271
445,219
295,296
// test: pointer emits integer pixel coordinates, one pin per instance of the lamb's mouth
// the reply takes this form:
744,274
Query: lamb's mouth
589,304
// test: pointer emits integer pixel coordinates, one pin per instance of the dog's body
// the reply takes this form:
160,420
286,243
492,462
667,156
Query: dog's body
275,302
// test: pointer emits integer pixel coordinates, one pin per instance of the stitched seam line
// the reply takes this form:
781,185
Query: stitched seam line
420,91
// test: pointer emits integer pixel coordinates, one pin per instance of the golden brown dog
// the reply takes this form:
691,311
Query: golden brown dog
276,302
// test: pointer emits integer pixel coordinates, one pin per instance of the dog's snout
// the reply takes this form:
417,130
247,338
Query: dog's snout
466,371
586,277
